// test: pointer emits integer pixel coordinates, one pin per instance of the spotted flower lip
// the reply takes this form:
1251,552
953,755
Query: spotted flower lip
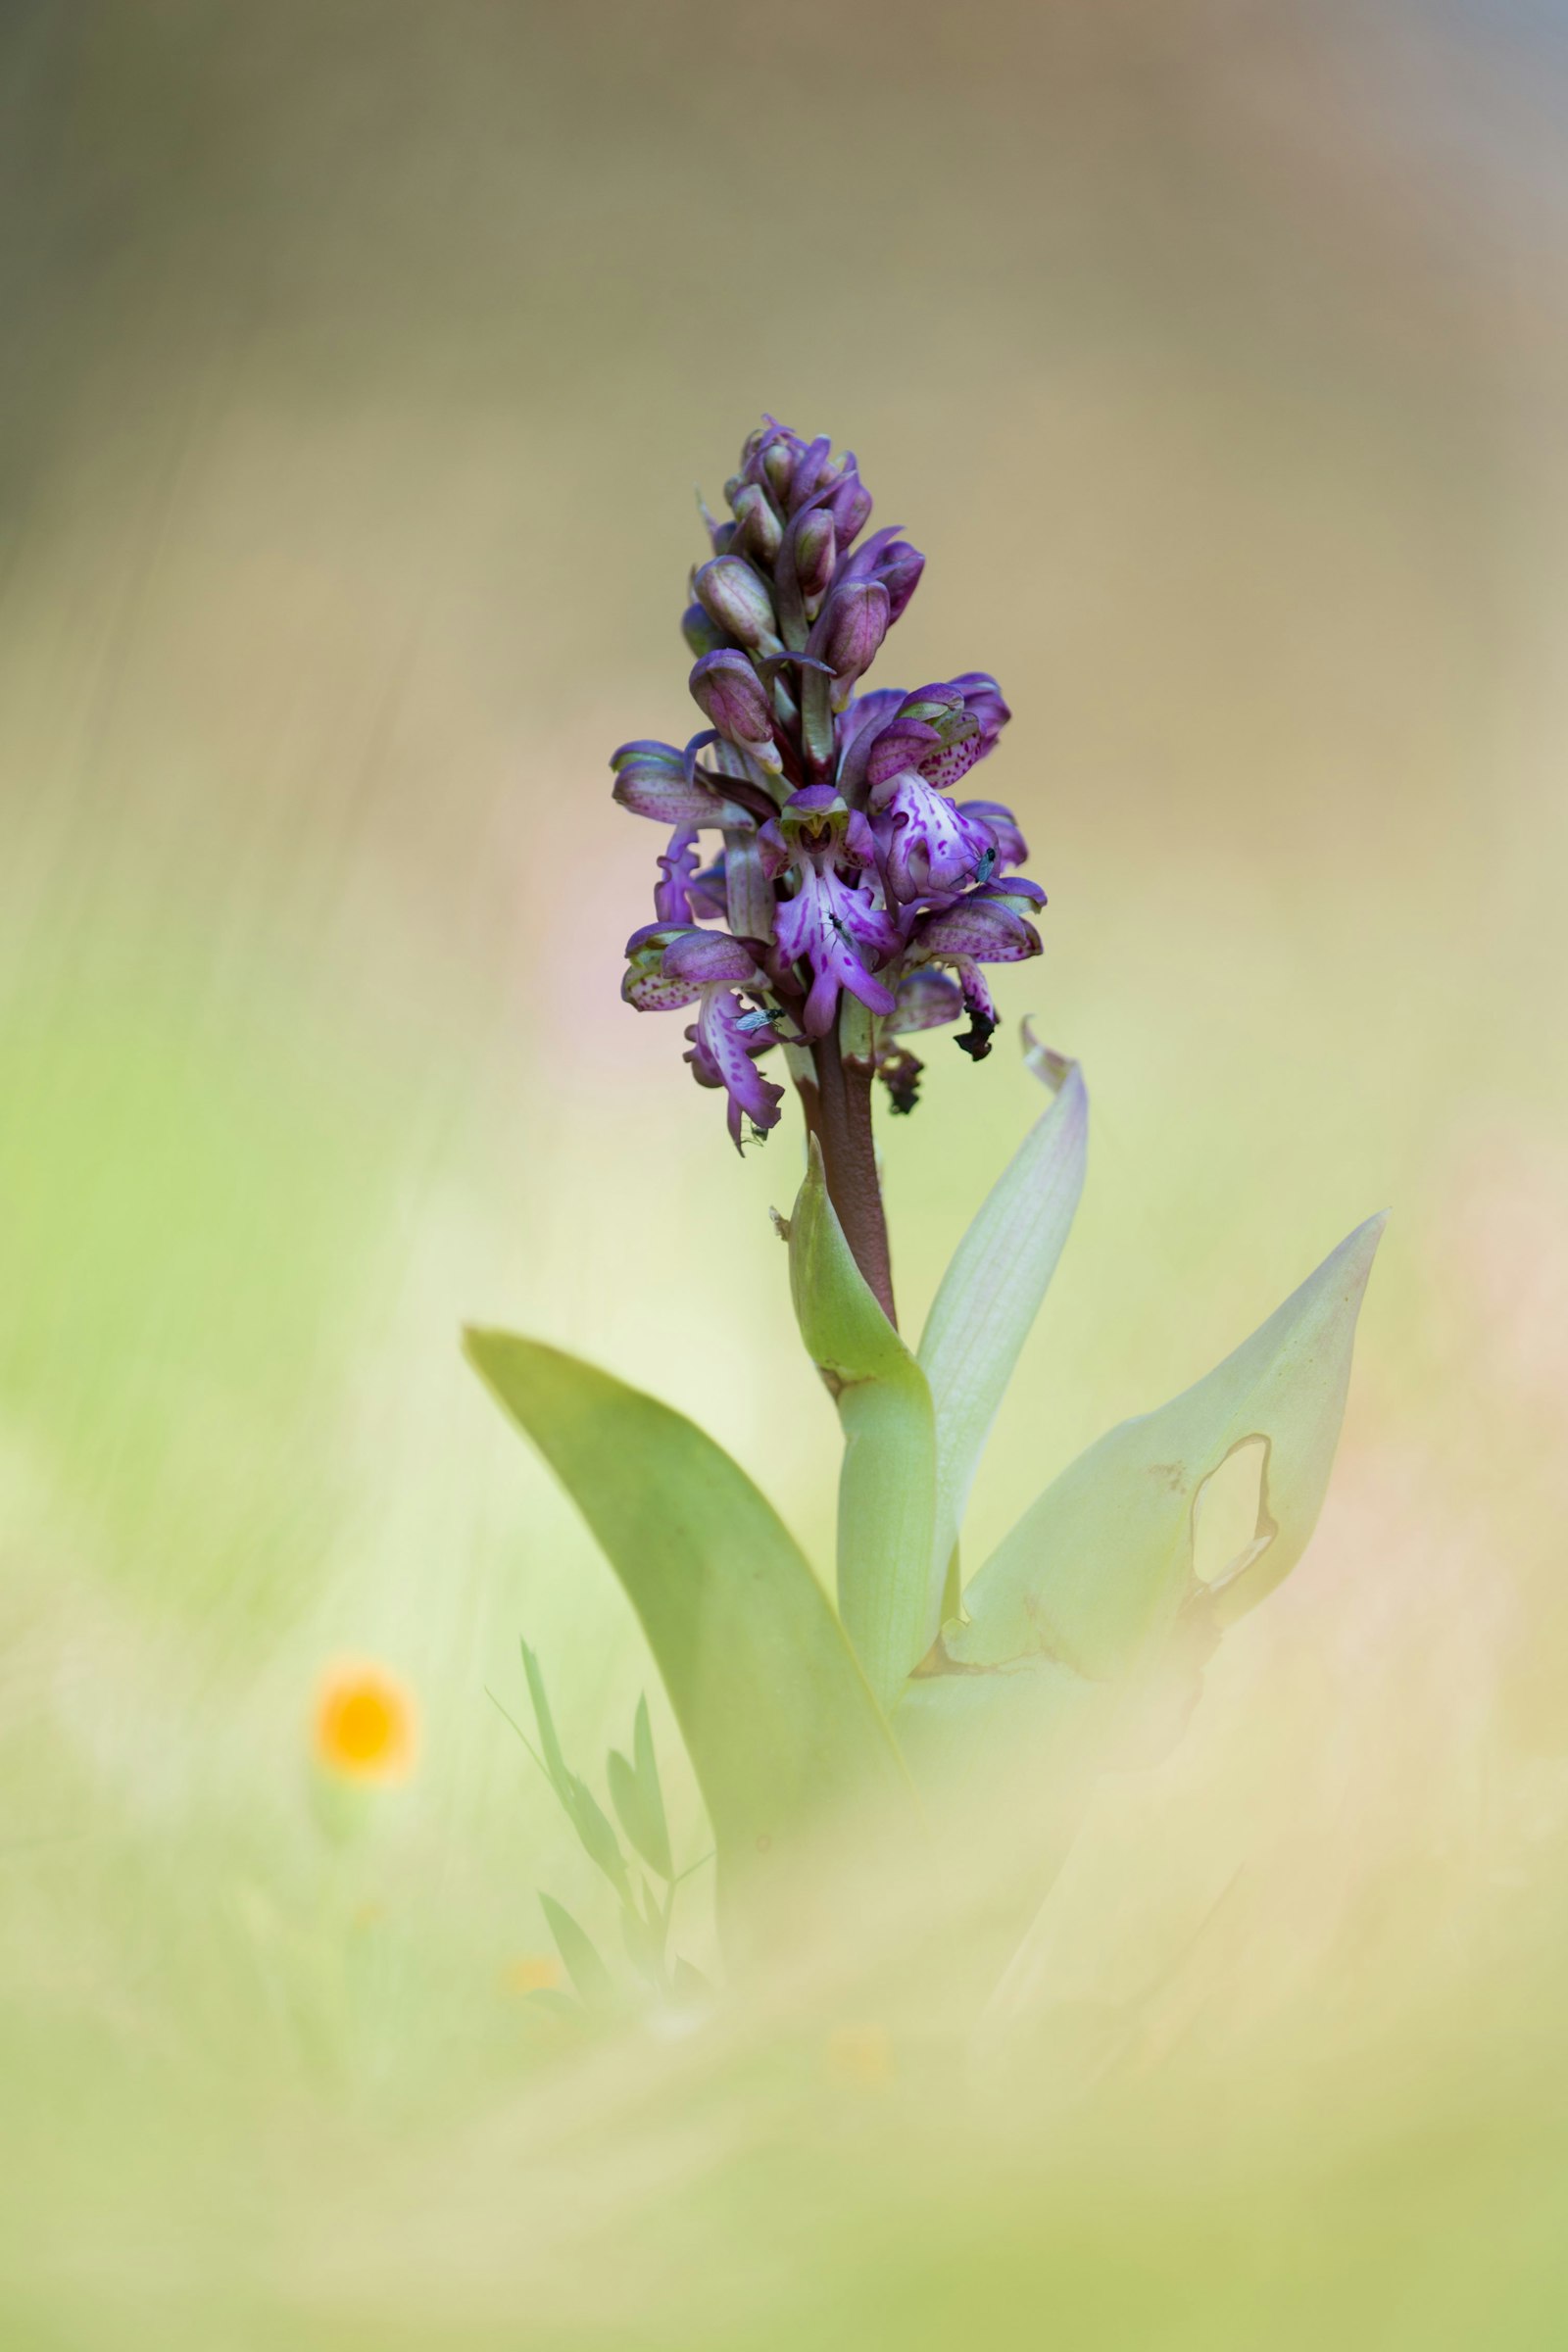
848,873
928,846
722,1053
672,966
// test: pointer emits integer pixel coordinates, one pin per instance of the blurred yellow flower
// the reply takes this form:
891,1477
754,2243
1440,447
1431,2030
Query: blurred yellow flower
535,1972
366,1724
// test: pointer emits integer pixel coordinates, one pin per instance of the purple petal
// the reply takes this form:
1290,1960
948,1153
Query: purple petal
1003,826
926,1000
928,846
677,868
977,927
671,797
709,955
646,985
721,1055
645,749
833,928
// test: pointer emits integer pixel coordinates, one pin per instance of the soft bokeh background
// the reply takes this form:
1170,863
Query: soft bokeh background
358,364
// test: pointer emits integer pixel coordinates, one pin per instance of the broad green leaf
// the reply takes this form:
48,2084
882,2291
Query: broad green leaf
993,1287
773,1707
889,1593
1088,1629
578,1955
1101,1565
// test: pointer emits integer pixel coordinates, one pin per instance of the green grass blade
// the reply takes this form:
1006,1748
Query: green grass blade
578,1955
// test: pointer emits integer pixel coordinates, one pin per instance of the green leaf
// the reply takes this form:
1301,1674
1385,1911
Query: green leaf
579,1956
1088,1629
993,1287
555,1761
1102,1564
776,1714
889,1590
581,1807
637,1797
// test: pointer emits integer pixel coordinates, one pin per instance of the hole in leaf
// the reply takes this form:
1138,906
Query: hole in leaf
1231,1523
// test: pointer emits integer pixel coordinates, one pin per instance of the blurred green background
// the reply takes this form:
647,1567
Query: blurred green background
358,364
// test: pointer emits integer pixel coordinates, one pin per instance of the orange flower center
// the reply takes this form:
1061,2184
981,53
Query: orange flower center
364,1725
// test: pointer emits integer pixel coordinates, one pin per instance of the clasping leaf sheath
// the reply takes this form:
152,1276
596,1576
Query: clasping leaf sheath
888,1591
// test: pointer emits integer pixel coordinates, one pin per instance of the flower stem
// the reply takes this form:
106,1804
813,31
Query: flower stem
838,1112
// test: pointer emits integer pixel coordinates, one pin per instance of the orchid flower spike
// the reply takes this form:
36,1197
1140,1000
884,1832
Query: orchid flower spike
847,874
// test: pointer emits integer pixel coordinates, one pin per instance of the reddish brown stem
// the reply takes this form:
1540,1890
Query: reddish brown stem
838,1112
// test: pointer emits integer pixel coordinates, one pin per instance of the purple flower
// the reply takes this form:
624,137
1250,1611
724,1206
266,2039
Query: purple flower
847,869
670,966
987,926
832,921
928,847
1003,826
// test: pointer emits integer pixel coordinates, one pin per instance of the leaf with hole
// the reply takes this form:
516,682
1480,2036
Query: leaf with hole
1101,1565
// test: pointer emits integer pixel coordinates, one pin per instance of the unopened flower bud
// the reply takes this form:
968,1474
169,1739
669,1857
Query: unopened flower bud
899,574
731,593
815,552
851,505
728,691
778,464
702,631
809,468
758,529
849,631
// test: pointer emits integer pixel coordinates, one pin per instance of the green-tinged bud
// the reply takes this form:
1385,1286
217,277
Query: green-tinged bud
815,552
728,691
778,464
735,596
758,529
702,632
